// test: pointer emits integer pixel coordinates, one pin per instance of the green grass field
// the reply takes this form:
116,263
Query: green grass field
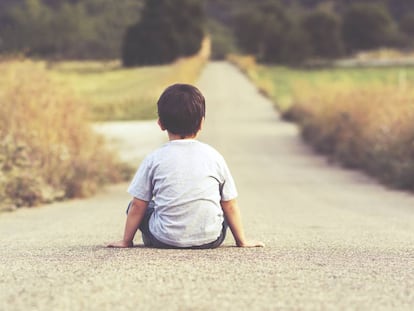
115,93
284,85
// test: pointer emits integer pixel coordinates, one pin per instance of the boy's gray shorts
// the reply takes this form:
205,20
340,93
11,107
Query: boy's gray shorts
150,241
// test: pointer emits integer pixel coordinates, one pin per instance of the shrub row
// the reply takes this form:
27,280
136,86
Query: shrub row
371,128
361,124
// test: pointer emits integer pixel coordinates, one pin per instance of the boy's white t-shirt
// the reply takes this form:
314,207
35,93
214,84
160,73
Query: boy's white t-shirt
186,179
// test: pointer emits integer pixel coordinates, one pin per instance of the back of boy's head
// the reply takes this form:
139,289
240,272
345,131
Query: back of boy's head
181,108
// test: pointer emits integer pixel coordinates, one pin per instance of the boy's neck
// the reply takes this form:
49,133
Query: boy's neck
172,136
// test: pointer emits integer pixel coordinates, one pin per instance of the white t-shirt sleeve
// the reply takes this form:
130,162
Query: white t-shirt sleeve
228,189
141,185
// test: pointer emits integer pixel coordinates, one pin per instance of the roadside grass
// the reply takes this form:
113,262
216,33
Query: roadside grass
48,150
361,117
283,84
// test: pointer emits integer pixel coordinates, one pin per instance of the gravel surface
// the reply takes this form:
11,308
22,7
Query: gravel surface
335,239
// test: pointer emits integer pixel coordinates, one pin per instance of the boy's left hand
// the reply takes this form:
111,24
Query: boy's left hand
250,243
120,244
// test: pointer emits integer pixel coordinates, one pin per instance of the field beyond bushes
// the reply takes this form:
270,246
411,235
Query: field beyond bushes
361,117
115,93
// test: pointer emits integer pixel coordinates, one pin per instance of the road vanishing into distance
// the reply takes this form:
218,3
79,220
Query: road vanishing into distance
335,239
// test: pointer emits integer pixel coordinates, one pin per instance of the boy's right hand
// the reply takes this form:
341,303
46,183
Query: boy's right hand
121,244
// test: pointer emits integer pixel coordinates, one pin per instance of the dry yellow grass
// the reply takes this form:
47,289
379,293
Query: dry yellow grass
47,148
370,128
361,117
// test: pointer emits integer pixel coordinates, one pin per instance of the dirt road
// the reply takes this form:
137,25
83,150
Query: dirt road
336,240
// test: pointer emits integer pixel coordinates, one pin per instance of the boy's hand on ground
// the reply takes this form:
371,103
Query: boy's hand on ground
250,244
120,244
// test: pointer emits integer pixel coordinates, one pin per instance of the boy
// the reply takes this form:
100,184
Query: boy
183,193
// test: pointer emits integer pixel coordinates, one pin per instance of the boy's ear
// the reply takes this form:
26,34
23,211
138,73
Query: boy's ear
160,125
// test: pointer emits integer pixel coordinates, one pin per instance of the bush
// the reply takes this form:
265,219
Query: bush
362,118
368,128
168,29
47,148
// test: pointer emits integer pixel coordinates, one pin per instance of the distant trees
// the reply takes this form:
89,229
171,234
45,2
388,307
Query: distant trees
406,26
167,29
88,29
324,33
367,26
26,28
267,31
148,32
222,40
292,35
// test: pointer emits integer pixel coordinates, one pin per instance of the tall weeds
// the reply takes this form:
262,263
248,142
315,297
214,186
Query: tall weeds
362,118
47,148
370,128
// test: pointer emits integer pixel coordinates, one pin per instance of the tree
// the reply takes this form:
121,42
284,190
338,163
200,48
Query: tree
248,31
89,29
275,24
263,30
105,25
366,26
222,40
407,25
27,27
297,47
70,31
324,33
167,29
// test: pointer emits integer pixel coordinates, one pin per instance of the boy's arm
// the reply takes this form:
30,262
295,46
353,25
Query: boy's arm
232,213
135,215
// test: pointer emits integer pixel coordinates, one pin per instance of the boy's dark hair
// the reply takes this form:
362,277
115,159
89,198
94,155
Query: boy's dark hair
181,108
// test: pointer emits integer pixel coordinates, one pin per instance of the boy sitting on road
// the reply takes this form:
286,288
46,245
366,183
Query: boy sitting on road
183,193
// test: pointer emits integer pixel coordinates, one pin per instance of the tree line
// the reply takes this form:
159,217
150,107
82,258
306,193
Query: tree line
66,29
167,29
149,32
276,33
